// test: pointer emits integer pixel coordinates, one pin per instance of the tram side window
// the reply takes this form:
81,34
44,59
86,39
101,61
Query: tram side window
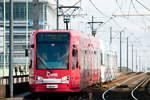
77,59
74,58
85,60
84,63
101,59
73,66
108,62
95,60
98,57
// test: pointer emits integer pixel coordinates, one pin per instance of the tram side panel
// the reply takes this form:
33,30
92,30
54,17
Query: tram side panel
108,66
90,68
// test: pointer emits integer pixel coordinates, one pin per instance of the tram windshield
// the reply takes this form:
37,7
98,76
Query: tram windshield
52,51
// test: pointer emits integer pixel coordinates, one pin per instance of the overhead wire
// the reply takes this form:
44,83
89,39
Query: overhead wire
115,22
73,5
109,19
138,11
105,22
128,13
119,7
97,9
122,11
142,5
134,6
129,8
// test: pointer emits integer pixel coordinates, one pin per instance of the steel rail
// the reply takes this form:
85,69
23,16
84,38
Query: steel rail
103,95
132,93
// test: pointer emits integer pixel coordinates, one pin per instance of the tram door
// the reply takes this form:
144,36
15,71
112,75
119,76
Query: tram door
75,69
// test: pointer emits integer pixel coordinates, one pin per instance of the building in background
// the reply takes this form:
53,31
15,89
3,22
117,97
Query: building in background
1,41
23,27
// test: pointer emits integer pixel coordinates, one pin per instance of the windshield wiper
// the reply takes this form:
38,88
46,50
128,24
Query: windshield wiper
43,63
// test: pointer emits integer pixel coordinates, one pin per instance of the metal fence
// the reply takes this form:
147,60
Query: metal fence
16,79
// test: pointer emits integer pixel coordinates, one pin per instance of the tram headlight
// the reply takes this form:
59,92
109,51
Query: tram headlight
65,79
39,78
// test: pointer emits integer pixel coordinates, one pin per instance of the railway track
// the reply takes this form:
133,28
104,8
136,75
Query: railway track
126,89
121,91
140,92
120,79
133,94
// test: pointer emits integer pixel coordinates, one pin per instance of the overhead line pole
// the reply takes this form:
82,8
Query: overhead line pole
36,14
11,50
110,35
57,16
4,40
120,52
66,17
27,34
136,61
132,57
140,63
92,26
43,17
127,54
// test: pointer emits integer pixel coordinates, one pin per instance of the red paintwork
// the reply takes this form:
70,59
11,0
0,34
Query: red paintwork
79,78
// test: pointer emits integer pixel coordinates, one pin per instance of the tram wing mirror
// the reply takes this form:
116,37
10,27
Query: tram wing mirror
32,46
26,53
74,52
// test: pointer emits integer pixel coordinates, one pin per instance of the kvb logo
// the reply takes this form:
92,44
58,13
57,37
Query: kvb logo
51,74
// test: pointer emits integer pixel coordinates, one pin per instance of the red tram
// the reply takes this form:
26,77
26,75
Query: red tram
63,61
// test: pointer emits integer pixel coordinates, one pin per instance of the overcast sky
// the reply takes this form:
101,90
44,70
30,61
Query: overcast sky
136,27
